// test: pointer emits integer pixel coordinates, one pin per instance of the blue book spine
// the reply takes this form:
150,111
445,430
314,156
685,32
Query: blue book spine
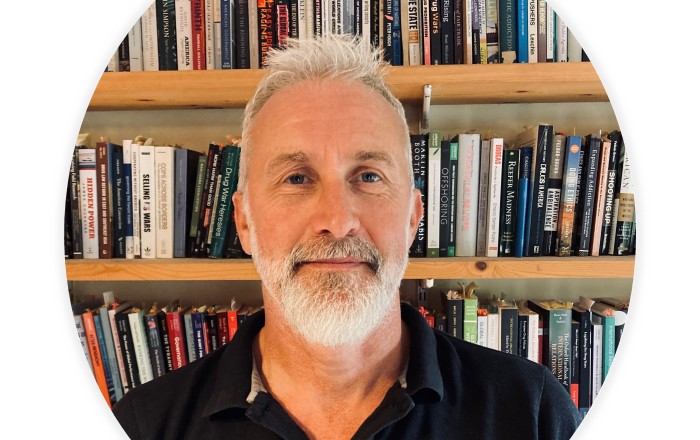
523,191
522,31
180,211
200,339
396,34
128,206
105,361
226,51
118,201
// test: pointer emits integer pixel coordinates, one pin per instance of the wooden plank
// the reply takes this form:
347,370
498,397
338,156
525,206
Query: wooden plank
451,84
440,268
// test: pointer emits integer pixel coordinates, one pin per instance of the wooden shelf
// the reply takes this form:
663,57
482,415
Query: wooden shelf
443,268
453,84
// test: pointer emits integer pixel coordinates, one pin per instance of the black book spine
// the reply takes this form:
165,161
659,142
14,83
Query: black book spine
551,217
444,198
208,201
476,24
459,34
75,218
523,335
386,31
357,23
539,190
509,330
509,203
241,30
507,29
611,183
419,145
447,31
435,37
454,311
155,348
452,216
167,36
162,323
375,24
118,204
212,331
585,347
588,192
126,343
575,361
123,54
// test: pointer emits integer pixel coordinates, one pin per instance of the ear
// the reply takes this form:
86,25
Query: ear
242,225
416,215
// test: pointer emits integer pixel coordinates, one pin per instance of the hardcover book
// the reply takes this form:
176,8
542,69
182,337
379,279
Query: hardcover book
89,203
183,34
419,143
589,180
615,139
467,193
599,207
554,186
167,35
148,201
556,337
493,209
509,203
433,207
567,208
522,201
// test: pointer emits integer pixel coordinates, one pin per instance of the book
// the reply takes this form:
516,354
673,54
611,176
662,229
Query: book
620,310
119,195
625,213
567,207
413,42
176,334
508,320
210,48
541,31
575,361
448,169
107,345
73,207
128,202
135,149
113,309
553,197
140,341
447,31
167,35
87,175
556,337
493,55
493,328
522,201
80,328
599,207
468,162
470,314
588,184
596,356
532,26
148,201
529,341
241,33
155,341
196,202
183,34
615,139
605,315
199,42
494,196
453,307
509,203
266,25
419,145
164,162
208,196
540,139
99,368
433,205
482,213
131,378
104,161
581,313
229,175
189,333
185,175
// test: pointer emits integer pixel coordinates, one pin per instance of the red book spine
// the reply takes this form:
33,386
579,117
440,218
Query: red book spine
232,323
198,38
176,336
222,327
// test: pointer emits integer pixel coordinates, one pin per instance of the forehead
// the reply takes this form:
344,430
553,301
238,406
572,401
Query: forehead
326,116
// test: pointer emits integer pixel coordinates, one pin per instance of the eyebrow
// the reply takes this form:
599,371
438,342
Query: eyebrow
366,155
300,157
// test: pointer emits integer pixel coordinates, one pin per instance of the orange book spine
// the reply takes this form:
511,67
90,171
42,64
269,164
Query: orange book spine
95,356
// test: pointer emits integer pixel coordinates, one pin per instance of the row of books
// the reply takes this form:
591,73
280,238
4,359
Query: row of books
237,34
127,345
140,200
577,342
548,194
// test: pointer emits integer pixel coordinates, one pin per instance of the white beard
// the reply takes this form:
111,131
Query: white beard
331,308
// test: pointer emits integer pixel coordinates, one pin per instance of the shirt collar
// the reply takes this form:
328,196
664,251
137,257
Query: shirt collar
238,382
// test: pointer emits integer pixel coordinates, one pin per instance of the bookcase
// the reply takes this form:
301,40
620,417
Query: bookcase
193,108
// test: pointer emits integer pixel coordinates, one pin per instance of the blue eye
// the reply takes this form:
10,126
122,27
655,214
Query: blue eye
296,179
369,177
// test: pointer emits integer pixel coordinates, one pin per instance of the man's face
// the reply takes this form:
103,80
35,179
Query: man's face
331,211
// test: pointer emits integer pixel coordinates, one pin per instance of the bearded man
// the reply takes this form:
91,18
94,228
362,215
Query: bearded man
327,208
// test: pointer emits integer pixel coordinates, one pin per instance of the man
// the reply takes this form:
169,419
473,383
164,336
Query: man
326,206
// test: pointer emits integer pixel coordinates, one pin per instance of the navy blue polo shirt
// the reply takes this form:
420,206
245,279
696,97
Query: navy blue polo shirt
453,389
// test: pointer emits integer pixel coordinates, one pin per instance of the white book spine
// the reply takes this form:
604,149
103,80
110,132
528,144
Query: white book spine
551,25
325,17
165,208
129,238
413,43
209,33
482,213
482,330
183,22
562,40
433,199
87,173
118,350
467,193
253,37
149,39
600,198
148,201
573,48
597,360
80,327
138,334
366,22
135,194
493,332
113,63
531,31
301,19
533,348
135,48
217,34
468,29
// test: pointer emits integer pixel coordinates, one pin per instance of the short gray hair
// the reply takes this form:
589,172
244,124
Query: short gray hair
341,56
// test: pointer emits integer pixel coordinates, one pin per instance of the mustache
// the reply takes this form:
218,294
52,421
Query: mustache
326,247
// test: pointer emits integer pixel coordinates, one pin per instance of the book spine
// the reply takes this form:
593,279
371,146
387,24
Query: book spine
587,198
414,33
128,202
209,33
241,34
447,31
470,320
467,32
494,196
553,198
562,53
541,31
444,202
611,183
523,201
452,211
164,157
585,363
483,37
148,201
229,173
523,42
155,349
110,350
135,40
149,38
266,28
119,352
433,208
210,320
532,41
104,168
183,20
482,214
180,219
482,329
189,336
98,367
198,42
492,46
74,204
493,332
222,327
135,194
476,31
523,336
126,343
507,30
454,311
533,331
567,208
550,34
509,203
226,37
109,373
87,173
167,35
426,30
176,335
599,207
538,191
596,358
575,361
467,194
509,327
196,203
200,338
138,334
419,145
625,211
435,46
118,204
162,323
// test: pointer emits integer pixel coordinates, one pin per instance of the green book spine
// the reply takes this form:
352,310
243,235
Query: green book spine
221,221
199,187
470,319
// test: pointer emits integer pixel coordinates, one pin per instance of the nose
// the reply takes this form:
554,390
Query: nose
336,211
